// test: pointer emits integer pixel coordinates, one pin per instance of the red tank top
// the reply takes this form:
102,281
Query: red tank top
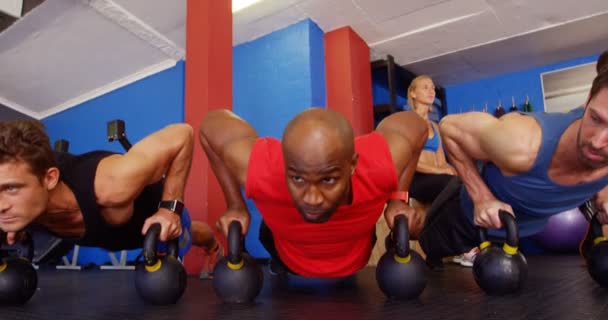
341,246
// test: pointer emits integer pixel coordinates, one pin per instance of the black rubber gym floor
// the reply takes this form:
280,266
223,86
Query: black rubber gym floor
558,287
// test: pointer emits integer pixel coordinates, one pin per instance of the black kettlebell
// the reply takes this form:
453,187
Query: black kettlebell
18,278
160,280
500,271
401,272
597,263
237,278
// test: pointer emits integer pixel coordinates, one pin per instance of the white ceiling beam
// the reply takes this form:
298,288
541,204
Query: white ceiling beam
426,28
19,108
12,7
122,17
123,82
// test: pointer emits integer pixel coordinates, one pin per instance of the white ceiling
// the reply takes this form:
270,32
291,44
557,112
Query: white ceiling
67,51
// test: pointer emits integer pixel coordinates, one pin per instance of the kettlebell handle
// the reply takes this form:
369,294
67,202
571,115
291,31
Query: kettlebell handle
235,251
401,236
508,222
596,228
150,242
25,247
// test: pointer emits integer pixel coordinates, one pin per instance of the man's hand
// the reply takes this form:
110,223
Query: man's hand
486,213
241,215
170,224
396,207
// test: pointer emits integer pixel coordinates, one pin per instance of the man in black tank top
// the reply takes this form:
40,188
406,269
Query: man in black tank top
100,199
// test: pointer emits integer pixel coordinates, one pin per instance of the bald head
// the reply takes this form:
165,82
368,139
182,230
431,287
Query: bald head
319,127
320,158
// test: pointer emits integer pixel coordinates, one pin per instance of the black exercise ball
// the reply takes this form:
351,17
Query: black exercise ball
401,272
160,280
237,278
500,271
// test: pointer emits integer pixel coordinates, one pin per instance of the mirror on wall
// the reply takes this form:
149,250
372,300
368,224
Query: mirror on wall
566,89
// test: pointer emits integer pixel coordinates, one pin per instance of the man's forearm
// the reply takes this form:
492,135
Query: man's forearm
177,173
228,182
467,171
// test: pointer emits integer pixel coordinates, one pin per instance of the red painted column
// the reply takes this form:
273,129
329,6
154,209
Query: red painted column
348,78
208,85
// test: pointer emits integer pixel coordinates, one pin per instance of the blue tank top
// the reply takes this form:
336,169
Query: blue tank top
533,196
432,144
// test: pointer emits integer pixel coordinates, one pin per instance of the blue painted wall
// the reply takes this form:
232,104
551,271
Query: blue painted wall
274,78
279,75
380,92
473,95
146,106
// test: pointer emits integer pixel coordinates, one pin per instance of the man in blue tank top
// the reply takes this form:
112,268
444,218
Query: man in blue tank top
99,198
535,165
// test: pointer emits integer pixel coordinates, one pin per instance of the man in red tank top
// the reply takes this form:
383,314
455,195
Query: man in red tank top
319,190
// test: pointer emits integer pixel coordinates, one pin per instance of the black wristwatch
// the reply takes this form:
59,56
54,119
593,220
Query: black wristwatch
172,205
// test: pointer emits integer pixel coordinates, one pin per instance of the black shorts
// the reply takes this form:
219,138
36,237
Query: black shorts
426,187
447,231
267,241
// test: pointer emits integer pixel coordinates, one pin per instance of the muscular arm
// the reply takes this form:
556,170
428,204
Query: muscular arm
405,134
440,157
511,143
228,141
121,178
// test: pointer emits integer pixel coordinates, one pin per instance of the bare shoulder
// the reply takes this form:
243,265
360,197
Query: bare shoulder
513,142
404,122
523,131
405,133
108,179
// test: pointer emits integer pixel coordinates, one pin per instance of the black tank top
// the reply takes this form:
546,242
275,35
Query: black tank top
78,173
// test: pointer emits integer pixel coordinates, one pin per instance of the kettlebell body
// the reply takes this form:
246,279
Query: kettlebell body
18,278
160,280
400,272
500,271
237,278
18,281
497,272
240,283
597,263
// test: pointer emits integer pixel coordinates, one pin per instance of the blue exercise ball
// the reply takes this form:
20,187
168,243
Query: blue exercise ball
563,232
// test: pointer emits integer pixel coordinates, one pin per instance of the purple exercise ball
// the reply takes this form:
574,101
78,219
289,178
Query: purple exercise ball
563,232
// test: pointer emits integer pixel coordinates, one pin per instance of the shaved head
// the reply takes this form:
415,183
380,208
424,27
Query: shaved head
319,152
319,126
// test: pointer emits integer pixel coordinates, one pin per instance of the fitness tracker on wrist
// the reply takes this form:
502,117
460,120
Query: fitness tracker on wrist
175,206
400,195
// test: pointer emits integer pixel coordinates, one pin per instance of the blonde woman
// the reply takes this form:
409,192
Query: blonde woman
433,172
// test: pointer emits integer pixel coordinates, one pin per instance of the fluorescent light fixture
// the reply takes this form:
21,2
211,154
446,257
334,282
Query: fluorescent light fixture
242,4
